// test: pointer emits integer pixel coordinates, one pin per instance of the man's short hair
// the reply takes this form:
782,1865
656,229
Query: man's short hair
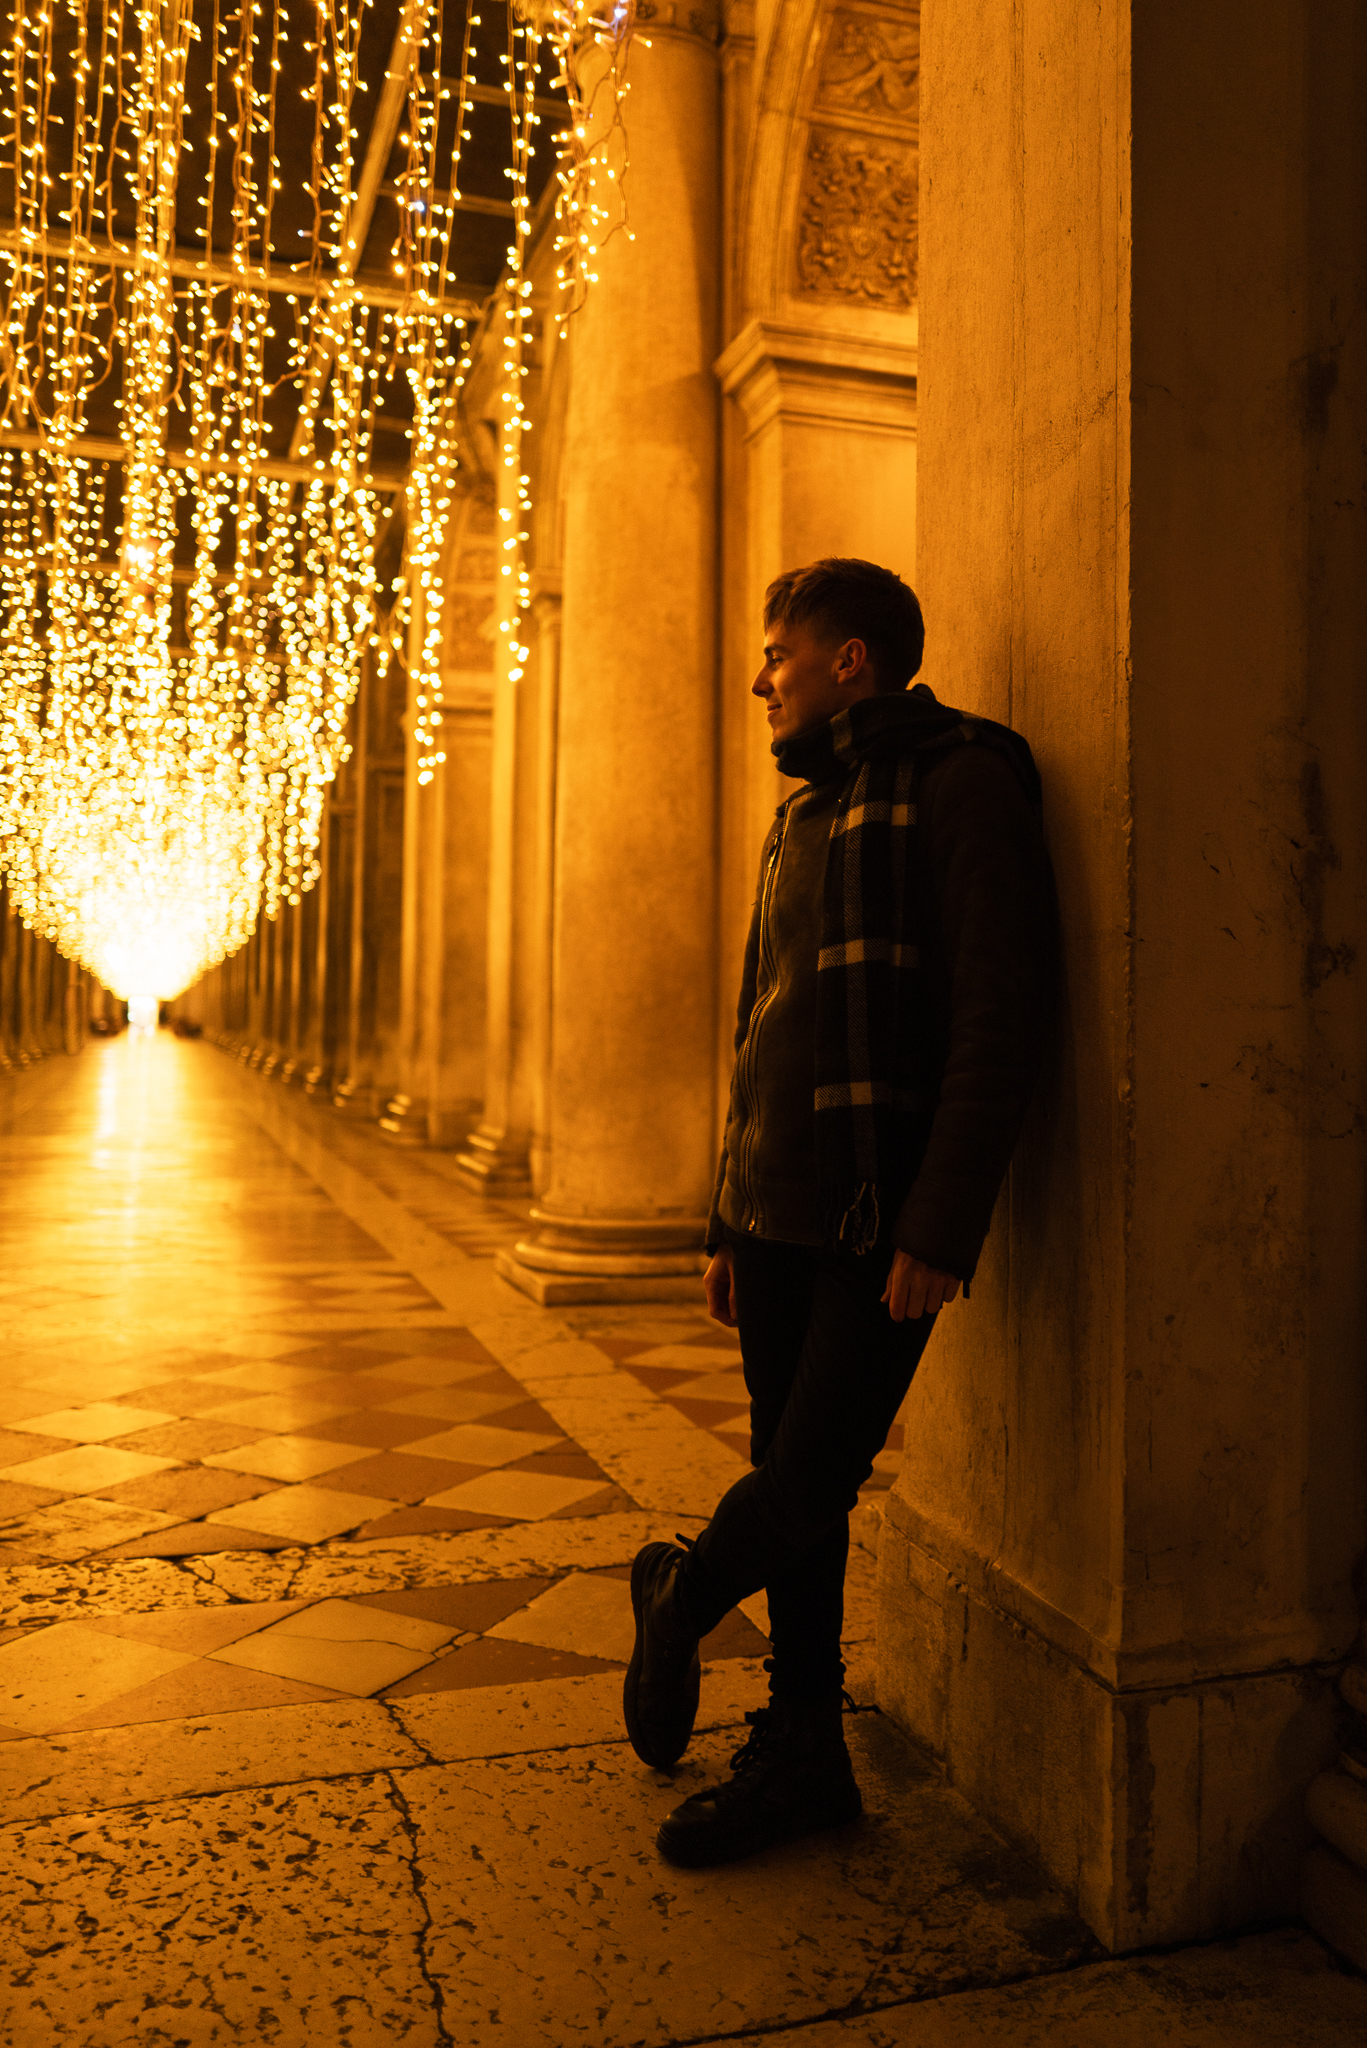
853,600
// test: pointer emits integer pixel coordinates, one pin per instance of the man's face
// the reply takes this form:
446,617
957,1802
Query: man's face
807,676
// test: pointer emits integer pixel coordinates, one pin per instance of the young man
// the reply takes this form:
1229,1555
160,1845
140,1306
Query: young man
893,1010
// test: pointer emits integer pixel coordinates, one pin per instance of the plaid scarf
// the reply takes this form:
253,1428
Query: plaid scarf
873,1109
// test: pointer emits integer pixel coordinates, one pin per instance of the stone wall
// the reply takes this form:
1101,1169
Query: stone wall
1117,1560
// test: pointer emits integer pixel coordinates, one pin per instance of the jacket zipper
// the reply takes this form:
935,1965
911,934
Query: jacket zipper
746,1061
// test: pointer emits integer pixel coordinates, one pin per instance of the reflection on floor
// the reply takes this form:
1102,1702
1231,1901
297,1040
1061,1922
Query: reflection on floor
314,1541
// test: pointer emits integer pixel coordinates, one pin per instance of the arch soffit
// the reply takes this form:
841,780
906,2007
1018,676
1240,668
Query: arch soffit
816,93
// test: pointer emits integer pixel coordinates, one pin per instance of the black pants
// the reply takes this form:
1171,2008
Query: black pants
826,1369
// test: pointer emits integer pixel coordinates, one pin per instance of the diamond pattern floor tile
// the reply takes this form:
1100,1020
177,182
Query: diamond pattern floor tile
400,1476
197,1630
582,1612
375,1429
87,1469
356,1667
306,1514
348,1621
479,1443
282,1413
521,1496
97,1423
16,1499
492,1661
49,1678
187,1493
287,1457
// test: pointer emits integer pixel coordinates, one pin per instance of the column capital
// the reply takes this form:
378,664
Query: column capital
776,370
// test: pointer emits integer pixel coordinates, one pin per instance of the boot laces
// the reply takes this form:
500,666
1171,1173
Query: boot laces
761,1722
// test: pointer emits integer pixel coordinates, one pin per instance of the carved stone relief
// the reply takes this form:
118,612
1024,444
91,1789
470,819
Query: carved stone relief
871,66
857,225
857,214
467,645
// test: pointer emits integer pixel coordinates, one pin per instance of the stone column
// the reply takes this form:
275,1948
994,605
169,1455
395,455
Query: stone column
300,916
29,1044
495,1158
371,1070
632,1072
405,1113
456,923
9,990
330,930
73,1013
1117,1560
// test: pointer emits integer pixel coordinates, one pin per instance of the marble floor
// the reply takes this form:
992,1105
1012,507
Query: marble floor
314,1544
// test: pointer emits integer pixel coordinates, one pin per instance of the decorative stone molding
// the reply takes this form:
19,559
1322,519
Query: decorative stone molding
809,375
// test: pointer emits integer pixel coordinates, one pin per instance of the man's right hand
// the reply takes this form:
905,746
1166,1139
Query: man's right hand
719,1283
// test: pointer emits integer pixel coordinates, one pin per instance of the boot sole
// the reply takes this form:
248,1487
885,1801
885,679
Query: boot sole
702,1855
660,1758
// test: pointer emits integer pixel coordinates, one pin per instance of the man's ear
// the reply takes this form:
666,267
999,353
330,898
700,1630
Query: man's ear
852,662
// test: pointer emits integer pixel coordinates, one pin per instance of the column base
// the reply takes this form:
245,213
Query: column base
356,1098
608,1258
492,1163
1168,1813
405,1121
563,1290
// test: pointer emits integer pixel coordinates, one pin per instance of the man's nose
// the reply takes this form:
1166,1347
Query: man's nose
761,686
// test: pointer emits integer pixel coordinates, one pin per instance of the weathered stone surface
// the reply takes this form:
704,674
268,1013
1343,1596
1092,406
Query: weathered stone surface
1336,1806
1275,1988
554,1920
278,1916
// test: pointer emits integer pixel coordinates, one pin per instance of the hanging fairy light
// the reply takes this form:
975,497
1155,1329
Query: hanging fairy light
574,33
168,732
592,48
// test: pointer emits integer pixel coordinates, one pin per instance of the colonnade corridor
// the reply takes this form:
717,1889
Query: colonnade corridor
314,1548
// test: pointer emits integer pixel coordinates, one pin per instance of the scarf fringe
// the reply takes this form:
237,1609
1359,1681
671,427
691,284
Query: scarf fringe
859,1224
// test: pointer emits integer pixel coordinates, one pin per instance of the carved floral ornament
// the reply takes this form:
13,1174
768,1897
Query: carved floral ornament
857,213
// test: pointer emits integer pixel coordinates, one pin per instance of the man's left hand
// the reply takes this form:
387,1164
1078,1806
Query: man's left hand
915,1289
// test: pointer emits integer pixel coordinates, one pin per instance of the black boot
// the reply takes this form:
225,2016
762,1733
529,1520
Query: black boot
660,1694
791,1777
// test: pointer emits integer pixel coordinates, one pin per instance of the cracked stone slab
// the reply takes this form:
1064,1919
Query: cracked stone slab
138,1585
560,1713
555,1922
450,1558
54,1592
1281,1987
272,1917
212,1753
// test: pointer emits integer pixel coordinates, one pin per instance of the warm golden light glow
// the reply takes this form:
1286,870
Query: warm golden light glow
167,733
